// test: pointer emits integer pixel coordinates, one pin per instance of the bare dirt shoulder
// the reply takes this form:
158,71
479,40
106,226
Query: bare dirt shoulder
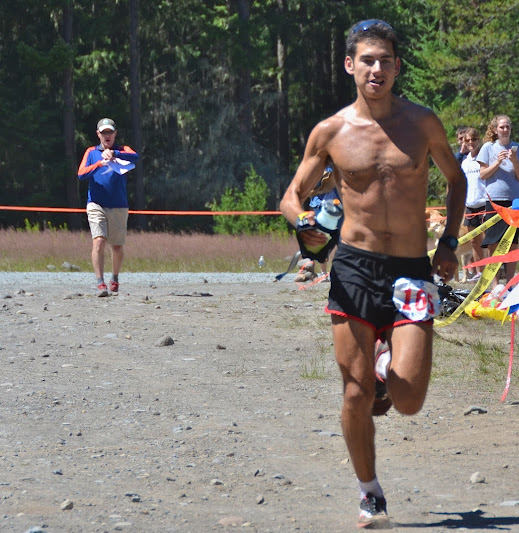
224,429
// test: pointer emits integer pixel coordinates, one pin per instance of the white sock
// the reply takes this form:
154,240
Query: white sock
372,487
383,362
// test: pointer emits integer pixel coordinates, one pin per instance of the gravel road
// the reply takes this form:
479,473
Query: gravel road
211,402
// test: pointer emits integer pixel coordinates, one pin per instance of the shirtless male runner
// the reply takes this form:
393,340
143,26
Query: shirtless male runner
381,277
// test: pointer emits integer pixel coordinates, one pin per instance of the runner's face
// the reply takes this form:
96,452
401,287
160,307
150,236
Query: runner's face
374,67
503,131
107,138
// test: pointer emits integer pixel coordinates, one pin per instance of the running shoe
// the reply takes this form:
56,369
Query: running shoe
373,513
382,402
102,290
114,286
382,360
474,278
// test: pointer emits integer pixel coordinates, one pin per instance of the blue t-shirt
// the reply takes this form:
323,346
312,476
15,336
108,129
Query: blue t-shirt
503,184
105,186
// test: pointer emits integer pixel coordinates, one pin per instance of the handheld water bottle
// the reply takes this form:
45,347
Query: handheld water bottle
326,222
330,214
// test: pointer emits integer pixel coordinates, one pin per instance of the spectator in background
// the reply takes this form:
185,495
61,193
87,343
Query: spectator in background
476,197
107,204
500,173
461,154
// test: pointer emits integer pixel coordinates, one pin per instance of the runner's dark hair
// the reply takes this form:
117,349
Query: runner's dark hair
369,31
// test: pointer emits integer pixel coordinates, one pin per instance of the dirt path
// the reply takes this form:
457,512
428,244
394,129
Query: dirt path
233,427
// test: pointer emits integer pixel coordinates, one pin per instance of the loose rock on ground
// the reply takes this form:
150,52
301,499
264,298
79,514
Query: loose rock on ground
235,426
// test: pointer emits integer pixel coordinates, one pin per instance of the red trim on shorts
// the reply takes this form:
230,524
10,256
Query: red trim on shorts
351,317
366,323
403,323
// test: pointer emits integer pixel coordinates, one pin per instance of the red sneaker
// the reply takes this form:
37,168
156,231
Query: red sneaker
114,286
102,290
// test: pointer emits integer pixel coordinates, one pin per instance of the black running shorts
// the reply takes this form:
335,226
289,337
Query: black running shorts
474,216
362,285
495,233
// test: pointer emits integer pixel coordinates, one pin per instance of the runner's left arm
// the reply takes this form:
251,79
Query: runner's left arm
444,261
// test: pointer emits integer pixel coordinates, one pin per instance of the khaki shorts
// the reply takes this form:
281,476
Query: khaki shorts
110,223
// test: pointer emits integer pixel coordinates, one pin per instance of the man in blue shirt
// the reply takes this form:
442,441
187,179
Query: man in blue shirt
105,166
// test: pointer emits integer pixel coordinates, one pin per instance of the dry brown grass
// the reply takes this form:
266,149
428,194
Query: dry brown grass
23,251
474,351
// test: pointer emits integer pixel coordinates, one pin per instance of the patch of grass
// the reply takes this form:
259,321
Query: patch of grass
473,352
490,358
313,365
296,320
32,251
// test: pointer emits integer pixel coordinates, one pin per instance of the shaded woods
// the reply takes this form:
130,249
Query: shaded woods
204,90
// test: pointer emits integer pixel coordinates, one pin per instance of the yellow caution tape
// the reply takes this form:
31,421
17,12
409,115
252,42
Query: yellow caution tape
474,233
487,276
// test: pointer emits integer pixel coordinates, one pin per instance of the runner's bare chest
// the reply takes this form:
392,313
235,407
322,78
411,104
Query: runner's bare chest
375,152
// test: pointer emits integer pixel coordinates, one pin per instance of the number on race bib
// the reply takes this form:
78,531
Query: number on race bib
416,299
422,300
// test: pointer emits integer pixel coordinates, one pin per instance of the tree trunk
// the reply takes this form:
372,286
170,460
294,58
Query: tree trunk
135,104
283,145
338,74
69,126
244,76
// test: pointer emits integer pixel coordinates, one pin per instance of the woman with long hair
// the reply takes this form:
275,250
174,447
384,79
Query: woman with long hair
500,172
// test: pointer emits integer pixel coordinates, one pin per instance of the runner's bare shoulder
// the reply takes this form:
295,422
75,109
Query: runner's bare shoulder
327,129
418,113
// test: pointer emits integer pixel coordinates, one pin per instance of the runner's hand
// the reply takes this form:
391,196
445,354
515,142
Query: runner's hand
312,237
444,263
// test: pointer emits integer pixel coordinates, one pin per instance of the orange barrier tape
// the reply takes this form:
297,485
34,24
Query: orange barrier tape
50,209
134,212
466,215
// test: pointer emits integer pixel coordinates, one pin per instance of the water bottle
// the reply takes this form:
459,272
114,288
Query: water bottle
330,214
328,219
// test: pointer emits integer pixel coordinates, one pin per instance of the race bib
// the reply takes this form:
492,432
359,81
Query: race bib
416,299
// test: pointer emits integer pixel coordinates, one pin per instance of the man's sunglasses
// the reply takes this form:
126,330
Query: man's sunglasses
367,24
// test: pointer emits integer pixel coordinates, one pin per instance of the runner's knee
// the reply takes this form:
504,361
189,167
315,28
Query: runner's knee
407,399
358,398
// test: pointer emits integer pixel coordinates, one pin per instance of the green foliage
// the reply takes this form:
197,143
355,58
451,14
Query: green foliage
34,228
202,63
253,197
463,64
55,229
30,227
436,190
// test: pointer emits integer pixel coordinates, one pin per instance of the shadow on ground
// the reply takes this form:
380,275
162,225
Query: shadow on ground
469,520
